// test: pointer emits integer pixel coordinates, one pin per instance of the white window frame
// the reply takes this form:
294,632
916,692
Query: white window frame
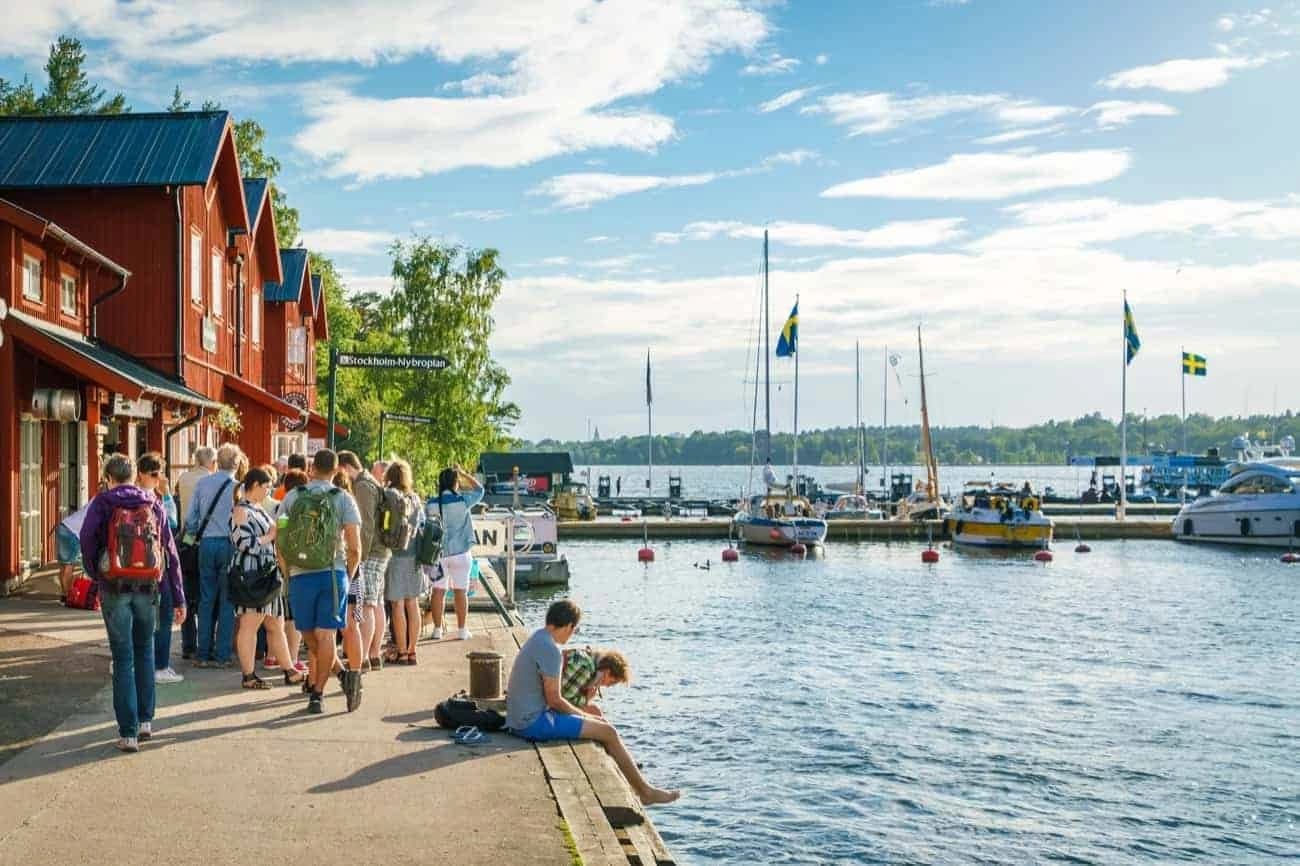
297,352
218,268
196,266
255,316
68,294
38,293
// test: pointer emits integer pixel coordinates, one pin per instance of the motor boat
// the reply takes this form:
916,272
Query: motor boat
779,520
1258,505
992,516
538,561
854,506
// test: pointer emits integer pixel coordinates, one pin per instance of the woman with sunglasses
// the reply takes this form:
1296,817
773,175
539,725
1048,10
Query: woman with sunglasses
252,533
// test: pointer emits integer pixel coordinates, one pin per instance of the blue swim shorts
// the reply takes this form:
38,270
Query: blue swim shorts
313,599
68,545
551,725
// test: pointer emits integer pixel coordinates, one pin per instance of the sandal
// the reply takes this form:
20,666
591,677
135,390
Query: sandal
408,659
377,663
468,735
392,656
293,678
253,681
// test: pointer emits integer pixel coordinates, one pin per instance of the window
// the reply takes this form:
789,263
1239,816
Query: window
32,289
31,492
196,267
298,347
68,294
218,283
255,319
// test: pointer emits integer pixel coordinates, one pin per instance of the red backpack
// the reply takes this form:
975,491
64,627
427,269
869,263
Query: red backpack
133,549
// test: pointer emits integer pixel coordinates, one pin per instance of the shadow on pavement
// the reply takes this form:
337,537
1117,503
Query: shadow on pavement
42,682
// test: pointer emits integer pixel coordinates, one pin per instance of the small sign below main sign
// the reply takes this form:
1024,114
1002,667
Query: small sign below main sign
132,408
393,362
411,419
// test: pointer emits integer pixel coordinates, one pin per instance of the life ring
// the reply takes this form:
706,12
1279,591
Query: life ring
548,547
775,534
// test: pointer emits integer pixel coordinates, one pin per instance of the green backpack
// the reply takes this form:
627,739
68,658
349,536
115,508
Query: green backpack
310,537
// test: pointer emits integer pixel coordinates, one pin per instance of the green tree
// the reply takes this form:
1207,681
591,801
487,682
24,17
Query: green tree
68,90
18,99
178,103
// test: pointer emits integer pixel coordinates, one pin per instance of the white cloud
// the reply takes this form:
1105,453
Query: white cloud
873,113
821,59
1020,134
1118,112
790,97
770,64
357,283
787,157
1023,112
1185,76
555,260
1076,223
981,176
600,239
894,235
1226,24
346,241
481,215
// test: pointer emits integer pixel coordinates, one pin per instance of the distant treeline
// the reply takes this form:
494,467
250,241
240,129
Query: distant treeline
1050,443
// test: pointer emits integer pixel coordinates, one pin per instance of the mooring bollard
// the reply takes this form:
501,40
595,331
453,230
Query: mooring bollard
484,675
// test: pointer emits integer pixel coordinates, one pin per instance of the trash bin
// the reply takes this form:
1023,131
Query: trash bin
484,675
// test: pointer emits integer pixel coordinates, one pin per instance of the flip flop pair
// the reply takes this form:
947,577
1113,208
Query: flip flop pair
468,735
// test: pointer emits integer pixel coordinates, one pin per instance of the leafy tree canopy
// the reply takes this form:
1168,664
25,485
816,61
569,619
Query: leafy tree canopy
67,89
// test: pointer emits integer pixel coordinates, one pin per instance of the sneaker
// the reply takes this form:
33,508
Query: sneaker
146,731
315,705
167,675
437,634
127,744
270,663
463,634
351,682
300,667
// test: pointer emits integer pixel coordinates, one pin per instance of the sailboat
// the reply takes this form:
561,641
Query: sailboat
855,505
925,502
779,517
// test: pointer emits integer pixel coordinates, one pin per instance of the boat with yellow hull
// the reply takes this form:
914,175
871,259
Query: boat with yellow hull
988,517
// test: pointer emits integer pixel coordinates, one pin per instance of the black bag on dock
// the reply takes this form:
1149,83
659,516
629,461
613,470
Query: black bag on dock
460,710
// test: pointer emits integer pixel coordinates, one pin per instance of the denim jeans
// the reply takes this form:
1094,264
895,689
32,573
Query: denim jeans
131,618
214,599
162,636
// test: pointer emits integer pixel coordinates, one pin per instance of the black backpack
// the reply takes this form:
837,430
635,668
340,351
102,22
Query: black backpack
428,546
460,710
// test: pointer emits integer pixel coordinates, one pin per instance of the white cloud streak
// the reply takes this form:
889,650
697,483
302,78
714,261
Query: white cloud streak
987,176
346,241
1185,76
894,235
1118,112
785,100
485,216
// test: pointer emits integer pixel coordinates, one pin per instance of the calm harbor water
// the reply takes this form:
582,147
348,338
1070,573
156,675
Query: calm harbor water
1140,703
727,482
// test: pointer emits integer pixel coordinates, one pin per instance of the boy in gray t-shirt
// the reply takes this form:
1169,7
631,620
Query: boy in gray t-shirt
537,711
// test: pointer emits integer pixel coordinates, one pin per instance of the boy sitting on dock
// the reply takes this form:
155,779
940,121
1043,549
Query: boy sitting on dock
537,710
587,671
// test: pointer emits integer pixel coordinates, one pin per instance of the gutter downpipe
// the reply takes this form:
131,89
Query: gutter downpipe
103,261
180,290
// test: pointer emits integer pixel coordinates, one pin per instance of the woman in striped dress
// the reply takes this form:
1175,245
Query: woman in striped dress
253,534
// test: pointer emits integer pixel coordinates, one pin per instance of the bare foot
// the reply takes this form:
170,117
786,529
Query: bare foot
658,796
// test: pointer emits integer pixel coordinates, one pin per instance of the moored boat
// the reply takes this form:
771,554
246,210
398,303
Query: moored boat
853,506
990,516
779,520
1258,505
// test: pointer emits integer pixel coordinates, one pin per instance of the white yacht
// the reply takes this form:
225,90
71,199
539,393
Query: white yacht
1259,505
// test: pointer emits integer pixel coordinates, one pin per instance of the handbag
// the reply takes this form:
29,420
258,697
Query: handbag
189,548
254,588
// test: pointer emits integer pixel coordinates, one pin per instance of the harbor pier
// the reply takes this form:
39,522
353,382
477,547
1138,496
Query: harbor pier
1088,527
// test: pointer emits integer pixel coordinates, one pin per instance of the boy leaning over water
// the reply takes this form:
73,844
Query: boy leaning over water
537,710
587,671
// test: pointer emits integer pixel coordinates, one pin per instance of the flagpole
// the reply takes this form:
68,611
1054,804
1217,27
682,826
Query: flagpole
650,428
1183,367
1123,416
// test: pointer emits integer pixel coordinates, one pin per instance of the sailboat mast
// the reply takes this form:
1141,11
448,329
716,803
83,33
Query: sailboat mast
795,455
650,429
884,430
931,468
767,359
857,409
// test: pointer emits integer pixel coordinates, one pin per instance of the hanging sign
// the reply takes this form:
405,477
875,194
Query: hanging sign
393,362
294,423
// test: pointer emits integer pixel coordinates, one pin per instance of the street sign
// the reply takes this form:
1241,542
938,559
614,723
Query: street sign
393,362
413,419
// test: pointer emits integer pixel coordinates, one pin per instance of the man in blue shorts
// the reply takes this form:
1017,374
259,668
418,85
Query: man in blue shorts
537,711
319,597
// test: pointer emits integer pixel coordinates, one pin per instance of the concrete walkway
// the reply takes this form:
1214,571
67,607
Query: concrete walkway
238,777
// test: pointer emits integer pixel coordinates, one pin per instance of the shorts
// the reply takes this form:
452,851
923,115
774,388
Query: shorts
69,546
551,725
313,595
372,579
455,571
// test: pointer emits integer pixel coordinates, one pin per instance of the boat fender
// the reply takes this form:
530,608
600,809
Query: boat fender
1245,526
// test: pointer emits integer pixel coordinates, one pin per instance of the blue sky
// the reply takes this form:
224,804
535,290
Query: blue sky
997,171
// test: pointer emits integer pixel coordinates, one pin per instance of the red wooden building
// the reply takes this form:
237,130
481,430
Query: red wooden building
162,195
295,321
65,398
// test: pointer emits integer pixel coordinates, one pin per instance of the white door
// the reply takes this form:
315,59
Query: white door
30,494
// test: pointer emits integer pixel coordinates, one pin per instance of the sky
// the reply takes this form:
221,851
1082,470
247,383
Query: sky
998,173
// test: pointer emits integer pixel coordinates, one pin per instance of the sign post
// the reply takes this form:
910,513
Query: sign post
376,361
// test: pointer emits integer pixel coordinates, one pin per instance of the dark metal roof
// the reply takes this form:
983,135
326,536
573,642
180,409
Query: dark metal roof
149,381
254,192
293,262
502,463
110,149
315,291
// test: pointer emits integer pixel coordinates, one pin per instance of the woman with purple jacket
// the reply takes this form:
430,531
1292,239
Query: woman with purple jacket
130,605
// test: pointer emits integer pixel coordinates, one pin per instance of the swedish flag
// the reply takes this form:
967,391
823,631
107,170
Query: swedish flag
788,344
1131,341
1193,365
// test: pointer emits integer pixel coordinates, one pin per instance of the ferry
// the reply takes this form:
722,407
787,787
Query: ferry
1258,505
995,516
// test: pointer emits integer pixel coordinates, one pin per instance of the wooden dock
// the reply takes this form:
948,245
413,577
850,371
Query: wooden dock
851,530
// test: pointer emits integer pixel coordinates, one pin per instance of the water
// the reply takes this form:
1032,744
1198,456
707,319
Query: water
727,482
1140,703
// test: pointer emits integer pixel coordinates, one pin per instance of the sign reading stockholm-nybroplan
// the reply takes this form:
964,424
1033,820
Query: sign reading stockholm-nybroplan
393,362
